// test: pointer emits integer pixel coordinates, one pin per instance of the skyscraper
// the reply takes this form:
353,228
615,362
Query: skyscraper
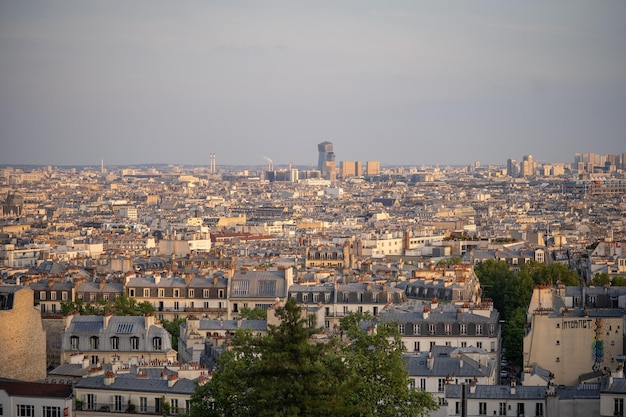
326,160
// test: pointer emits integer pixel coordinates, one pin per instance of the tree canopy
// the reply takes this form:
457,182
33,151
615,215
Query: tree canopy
120,306
285,373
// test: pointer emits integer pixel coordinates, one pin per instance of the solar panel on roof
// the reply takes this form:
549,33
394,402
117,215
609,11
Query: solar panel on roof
124,328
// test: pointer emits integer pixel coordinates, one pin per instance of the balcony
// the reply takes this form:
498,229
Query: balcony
98,408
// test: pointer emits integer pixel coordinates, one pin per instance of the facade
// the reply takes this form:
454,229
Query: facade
372,168
466,326
174,297
22,337
105,339
257,289
570,336
137,390
50,294
433,371
337,300
328,257
32,399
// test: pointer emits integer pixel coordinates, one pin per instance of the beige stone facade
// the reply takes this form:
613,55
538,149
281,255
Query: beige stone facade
22,337
571,341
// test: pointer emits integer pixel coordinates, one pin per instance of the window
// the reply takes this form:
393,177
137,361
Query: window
326,297
447,328
423,384
24,410
241,287
316,297
267,287
618,406
91,401
479,329
156,343
118,403
539,409
441,383
432,345
432,328
205,293
176,305
131,292
190,293
220,293
416,346
115,343
94,343
360,310
482,408
176,292
305,297
74,342
134,343
53,295
143,404
94,359
492,329
479,345
457,407
345,309
42,295
161,292
146,292
520,409
401,328
174,404
417,329
502,411
463,344
463,329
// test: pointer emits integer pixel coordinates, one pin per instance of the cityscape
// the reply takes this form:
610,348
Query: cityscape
203,252
310,209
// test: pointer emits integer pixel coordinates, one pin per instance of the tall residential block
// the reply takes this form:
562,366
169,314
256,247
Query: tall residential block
372,168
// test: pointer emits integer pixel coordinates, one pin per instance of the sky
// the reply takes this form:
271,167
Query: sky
401,82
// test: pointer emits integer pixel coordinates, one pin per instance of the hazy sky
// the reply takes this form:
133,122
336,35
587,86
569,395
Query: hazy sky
403,82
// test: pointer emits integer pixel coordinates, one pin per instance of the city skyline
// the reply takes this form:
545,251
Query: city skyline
404,84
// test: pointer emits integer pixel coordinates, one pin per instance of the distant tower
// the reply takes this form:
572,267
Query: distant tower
326,160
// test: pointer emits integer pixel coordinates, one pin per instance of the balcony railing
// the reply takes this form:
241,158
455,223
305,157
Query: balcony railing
129,409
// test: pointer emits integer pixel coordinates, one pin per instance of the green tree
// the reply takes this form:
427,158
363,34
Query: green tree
375,362
601,279
285,374
173,328
513,335
256,313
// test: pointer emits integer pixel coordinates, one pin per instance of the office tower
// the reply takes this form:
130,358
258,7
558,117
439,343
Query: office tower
326,160
511,167
372,168
527,167
624,161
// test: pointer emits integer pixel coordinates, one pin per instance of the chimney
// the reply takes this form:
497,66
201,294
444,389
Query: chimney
50,283
106,319
188,278
426,312
157,279
85,362
149,320
164,375
513,386
461,360
102,283
434,303
216,279
109,378
67,320
171,380
431,360
473,386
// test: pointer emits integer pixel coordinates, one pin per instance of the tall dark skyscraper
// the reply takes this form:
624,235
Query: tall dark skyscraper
326,160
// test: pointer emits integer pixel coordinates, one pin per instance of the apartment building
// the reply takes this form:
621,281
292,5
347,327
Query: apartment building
109,338
32,399
457,326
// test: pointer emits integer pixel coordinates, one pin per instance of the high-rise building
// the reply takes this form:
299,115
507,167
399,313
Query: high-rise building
326,160
527,167
350,169
511,168
372,168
